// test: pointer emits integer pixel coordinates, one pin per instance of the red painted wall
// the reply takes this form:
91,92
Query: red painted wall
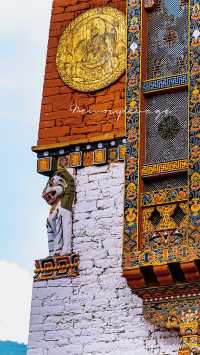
57,123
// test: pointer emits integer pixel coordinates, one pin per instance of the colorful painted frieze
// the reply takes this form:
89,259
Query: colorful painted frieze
132,132
194,168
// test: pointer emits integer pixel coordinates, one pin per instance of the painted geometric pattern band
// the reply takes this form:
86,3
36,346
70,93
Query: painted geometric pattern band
56,267
165,83
170,166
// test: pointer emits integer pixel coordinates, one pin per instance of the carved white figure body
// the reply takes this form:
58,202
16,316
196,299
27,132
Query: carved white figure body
59,193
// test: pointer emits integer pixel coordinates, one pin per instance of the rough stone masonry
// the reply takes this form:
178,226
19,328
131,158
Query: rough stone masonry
95,313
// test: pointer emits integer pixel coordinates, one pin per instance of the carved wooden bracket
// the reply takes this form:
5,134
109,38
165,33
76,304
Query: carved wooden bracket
171,299
181,311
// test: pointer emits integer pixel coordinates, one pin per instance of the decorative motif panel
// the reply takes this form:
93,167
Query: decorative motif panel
194,171
163,197
56,267
162,243
167,127
180,313
44,165
169,151
132,126
92,50
167,39
81,156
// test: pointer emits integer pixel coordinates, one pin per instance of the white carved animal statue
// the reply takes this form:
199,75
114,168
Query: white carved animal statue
59,194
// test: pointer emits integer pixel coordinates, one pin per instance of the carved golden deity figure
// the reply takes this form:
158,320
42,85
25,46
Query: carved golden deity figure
92,49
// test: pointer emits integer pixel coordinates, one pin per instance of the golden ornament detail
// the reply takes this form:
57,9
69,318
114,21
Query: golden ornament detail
92,50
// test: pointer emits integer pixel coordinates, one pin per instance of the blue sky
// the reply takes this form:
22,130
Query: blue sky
23,41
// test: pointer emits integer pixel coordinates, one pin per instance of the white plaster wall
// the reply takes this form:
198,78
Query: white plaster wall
95,313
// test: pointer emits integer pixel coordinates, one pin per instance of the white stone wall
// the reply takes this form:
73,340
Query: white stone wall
95,313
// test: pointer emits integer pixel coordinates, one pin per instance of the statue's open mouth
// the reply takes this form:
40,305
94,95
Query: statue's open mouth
49,197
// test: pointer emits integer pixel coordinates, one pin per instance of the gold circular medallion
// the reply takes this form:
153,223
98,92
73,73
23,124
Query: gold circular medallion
92,50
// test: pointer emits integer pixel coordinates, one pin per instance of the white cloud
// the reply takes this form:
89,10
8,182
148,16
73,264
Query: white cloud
15,298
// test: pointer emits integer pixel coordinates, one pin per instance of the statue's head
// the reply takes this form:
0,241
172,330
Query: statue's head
54,189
